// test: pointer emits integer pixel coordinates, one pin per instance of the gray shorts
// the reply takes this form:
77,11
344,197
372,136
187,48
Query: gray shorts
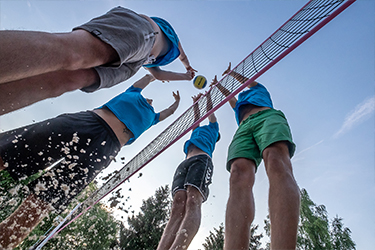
197,172
131,35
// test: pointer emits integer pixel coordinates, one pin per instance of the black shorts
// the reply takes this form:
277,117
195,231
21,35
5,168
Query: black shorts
84,142
197,172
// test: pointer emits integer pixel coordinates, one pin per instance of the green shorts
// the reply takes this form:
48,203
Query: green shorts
256,133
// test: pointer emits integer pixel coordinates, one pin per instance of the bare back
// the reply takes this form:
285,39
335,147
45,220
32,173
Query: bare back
193,151
122,132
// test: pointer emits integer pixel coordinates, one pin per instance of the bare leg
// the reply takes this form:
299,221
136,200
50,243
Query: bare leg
21,93
191,222
284,197
18,225
29,53
240,207
177,214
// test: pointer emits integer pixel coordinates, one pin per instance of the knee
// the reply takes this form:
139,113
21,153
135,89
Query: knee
79,79
242,173
277,160
194,199
72,80
178,205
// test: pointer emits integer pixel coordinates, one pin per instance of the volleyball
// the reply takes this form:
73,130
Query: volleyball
200,82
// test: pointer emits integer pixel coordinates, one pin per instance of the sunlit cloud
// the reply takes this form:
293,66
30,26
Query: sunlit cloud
361,113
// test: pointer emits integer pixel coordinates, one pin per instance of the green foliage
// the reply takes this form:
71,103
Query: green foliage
97,229
215,240
12,192
145,230
315,231
340,236
255,243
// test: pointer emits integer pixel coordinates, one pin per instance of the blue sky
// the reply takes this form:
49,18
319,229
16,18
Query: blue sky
325,87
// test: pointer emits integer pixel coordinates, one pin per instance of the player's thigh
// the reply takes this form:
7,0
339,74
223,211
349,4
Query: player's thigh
83,50
242,173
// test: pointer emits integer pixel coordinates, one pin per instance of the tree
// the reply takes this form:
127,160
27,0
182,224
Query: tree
12,192
315,231
145,230
340,236
96,229
215,240
255,243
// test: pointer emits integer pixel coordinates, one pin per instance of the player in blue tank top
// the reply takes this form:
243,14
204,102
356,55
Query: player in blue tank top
98,136
263,133
191,181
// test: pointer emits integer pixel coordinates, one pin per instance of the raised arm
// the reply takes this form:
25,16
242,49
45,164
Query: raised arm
164,75
224,91
171,109
184,59
242,79
144,81
197,113
211,117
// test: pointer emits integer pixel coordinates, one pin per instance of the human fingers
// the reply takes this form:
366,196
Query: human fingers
228,69
214,81
191,69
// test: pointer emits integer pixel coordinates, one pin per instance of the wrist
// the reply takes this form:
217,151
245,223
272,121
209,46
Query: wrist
150,77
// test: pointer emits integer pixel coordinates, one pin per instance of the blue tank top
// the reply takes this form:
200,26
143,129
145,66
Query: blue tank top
132,109
204,137
257,95
173,52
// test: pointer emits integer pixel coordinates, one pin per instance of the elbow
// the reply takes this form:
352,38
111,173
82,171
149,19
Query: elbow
182,57
158,77
171,112
157,73
165,114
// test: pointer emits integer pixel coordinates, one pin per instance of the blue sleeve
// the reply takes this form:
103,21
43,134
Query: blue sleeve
156,120
214,125
133,89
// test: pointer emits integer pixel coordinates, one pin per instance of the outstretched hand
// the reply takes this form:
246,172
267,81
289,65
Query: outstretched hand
189,68
214,81
227,70
190,73
176,96
196,97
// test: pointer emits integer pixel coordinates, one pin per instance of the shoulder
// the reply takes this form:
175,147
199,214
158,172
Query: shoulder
214,125
134,89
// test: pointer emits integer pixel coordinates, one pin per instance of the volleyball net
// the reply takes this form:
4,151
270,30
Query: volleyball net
307,21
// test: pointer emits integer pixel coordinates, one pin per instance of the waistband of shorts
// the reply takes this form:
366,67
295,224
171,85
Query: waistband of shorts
108,128
263,112
203,155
